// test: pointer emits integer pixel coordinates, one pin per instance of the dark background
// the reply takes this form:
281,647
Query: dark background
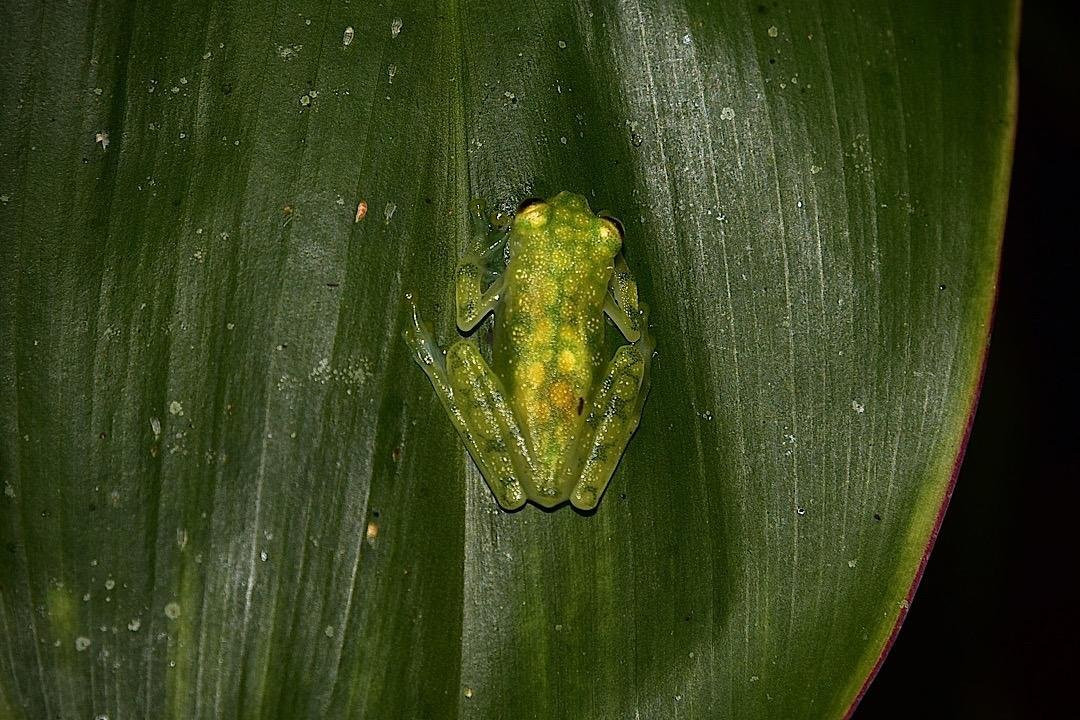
992,630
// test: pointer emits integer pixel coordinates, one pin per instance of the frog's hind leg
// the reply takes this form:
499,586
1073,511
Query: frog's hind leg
612,415
475,401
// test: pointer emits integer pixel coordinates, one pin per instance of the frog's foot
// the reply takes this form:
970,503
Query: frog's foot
613,415
474,399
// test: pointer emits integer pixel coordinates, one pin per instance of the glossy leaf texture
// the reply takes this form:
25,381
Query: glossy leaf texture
229,492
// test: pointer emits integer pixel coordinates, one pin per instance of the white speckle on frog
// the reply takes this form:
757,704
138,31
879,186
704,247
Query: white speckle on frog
347,36
858,407
395,27
82,642
175,408
727,113
172,610
774,31
103,138
389,211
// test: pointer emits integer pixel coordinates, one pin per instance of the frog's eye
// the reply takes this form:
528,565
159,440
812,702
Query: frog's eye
617,223
532,212
528,203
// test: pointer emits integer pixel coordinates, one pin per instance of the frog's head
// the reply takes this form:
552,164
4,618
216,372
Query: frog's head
568,216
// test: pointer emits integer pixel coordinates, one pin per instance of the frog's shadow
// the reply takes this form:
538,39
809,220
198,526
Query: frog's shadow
555,508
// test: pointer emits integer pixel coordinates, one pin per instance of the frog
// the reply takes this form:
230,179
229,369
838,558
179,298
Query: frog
549,418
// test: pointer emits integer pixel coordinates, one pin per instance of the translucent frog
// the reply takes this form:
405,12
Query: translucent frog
549,419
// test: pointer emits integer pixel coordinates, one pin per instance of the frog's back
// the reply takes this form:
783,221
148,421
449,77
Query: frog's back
550,334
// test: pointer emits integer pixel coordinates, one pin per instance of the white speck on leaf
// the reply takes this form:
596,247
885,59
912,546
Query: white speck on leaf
103,138
175,408
858,407
347,37
81,643
391,208
288,52
134,625
172,610
155,426
773,31
727,113
395,27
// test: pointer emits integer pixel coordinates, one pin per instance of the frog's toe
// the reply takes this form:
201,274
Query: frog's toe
585,497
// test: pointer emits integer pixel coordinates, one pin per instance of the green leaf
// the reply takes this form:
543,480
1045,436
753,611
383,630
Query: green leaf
228,491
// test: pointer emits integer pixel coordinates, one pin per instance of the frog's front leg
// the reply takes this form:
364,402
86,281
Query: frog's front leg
615,407
476,402
472,300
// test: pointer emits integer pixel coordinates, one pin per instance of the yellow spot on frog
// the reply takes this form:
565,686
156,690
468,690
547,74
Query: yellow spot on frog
567,361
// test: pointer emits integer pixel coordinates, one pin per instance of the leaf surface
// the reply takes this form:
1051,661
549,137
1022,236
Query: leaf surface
228,491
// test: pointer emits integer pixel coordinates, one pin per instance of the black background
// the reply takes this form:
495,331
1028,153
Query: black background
992,630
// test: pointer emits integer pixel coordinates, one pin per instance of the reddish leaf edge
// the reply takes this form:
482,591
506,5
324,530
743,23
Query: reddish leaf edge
959,461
